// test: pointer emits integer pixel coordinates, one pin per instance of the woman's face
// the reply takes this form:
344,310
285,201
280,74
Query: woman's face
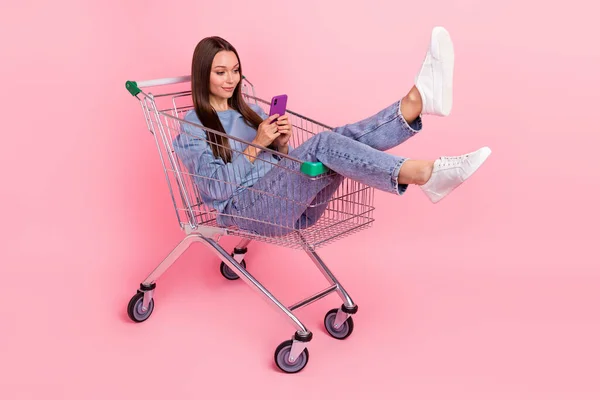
224,74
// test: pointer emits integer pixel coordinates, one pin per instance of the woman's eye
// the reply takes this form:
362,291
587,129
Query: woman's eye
236,71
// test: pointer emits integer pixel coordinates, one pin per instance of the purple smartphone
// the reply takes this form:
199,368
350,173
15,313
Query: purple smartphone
278,105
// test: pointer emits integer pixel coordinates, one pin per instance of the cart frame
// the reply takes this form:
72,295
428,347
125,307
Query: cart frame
291,356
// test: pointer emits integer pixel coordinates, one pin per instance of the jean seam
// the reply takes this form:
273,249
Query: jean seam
396,166
394,177
385,122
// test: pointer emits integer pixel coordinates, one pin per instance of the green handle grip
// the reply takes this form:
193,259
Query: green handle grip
132,87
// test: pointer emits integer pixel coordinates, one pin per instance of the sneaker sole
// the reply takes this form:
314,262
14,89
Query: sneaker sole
442,50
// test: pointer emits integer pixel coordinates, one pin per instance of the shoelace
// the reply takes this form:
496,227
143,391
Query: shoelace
452,161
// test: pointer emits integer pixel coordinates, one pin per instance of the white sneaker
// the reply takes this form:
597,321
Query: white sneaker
450,172
434,80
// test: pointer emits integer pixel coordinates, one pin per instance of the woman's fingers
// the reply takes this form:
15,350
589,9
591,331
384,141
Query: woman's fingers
284,124
274,131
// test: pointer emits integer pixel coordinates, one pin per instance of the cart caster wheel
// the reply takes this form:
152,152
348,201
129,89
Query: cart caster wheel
134,308
228,272
282,354
341,332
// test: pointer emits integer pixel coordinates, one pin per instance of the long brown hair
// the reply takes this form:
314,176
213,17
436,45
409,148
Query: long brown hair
204,53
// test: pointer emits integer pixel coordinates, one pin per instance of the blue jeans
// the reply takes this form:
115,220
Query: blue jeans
277,203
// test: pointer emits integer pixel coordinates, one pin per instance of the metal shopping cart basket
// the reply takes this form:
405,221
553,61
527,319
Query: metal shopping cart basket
348,210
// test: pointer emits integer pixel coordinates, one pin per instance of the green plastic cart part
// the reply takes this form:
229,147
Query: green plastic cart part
313,168
132,87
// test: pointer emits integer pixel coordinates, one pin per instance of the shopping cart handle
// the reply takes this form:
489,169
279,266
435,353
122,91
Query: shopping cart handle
313,168
308,168
132,87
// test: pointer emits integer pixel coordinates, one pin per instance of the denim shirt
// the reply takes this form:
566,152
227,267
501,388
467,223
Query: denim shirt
218,182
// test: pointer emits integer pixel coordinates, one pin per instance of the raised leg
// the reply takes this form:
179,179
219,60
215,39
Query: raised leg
431,94
386,129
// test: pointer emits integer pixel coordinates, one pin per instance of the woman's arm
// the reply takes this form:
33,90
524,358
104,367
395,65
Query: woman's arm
251,153
215,179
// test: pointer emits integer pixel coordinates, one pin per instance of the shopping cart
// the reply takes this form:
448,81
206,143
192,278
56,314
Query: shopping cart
346,211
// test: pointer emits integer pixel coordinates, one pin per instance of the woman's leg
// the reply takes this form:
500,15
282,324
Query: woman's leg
430,95
320,203
384,130
275,204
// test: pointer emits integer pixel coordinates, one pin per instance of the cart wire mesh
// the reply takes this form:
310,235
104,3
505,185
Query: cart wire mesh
346,209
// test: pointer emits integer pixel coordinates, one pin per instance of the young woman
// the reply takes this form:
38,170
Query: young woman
278,201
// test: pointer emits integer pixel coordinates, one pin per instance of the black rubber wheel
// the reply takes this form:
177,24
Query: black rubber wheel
134,308
341,332
282,354
228,272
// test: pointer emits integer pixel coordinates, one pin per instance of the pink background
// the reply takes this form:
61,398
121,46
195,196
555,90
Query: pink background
492,294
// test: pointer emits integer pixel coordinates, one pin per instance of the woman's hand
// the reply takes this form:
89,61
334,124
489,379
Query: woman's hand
285,133
266,132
